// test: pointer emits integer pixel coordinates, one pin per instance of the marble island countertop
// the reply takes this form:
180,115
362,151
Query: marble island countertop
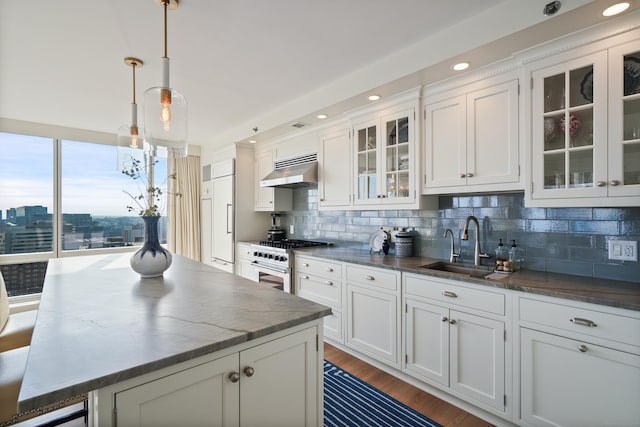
98,323
587,289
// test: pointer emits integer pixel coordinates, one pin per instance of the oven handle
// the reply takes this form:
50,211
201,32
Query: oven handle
277,270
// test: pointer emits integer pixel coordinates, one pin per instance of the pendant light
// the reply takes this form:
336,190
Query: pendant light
165,109
130,135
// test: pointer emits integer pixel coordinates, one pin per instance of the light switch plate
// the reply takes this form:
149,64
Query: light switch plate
624,250
291,229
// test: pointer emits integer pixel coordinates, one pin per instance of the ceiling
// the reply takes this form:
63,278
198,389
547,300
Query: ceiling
251,63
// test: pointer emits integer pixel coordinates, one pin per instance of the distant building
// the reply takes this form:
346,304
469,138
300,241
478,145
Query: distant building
22,240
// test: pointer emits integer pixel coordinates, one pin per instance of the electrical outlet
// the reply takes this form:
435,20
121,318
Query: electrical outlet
624,250
291,229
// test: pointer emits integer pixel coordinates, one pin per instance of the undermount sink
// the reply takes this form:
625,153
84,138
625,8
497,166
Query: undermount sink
458,269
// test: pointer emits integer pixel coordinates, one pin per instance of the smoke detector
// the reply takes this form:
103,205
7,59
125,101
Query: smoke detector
299,124
552,8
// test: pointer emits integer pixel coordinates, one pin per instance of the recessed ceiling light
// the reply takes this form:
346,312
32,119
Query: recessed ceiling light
615,9
374,97
461,66
322,116
252,141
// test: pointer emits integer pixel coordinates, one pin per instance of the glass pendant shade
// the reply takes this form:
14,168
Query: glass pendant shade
165,121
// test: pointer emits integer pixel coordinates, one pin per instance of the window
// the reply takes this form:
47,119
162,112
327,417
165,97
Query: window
64,197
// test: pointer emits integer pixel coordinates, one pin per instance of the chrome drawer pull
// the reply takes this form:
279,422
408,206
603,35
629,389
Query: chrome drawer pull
369,277
449,294
583,322
452,321
583,348
305,277
306,264
444,318
328,282
329,269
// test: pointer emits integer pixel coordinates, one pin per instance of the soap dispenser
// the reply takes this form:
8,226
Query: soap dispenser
516,256
501,252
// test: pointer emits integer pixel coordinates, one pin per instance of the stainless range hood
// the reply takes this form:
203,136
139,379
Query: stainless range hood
292,173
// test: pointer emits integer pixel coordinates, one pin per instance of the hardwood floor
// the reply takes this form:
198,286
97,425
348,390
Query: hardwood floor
431,406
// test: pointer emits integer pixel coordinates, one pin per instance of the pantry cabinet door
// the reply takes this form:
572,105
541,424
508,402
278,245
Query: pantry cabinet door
334,170
445,142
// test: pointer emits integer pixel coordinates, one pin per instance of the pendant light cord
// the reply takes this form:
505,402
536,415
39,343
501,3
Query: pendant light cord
133,65
165,3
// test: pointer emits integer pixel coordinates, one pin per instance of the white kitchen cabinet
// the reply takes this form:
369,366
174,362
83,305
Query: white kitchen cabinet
580,364
274,383
269,199
373,312
321,281
384,153
334,170
585,126
223,212
244,266
471,137
454,339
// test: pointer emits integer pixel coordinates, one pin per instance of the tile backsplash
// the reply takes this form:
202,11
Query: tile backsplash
562,240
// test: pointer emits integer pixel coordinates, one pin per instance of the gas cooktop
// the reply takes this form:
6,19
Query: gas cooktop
291,243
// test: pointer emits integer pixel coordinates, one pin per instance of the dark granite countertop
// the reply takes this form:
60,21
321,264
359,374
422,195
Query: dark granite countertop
98,323
587,289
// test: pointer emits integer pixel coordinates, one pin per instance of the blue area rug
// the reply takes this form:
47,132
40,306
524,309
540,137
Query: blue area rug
349,401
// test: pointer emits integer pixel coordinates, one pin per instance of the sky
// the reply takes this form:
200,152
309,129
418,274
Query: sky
91,180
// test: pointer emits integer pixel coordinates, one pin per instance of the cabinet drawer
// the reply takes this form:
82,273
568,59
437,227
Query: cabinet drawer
369,276
333,326
582,320
478,299
245,252
319,289
319,267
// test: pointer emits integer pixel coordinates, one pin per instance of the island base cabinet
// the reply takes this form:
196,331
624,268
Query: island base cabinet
272,384
200,393
567,382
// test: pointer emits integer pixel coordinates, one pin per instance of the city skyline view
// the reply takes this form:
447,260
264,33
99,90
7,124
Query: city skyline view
91,181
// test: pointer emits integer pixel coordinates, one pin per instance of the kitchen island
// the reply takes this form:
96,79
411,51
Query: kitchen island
102,330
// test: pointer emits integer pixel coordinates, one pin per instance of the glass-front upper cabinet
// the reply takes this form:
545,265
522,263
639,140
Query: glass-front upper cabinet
384,149
624,128
569,120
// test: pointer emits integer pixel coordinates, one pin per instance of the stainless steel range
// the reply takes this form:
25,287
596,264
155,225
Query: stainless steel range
273,260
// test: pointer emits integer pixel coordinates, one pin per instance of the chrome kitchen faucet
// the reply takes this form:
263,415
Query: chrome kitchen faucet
478,254
452,255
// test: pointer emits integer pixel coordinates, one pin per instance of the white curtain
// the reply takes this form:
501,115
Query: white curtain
183,206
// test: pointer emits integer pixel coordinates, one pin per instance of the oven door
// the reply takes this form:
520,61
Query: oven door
273,276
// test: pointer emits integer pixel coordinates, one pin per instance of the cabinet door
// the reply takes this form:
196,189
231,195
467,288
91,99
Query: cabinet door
203,395
492,134
282,388
477,358
445,142
569,129
397,179
427,341
223,219
334,170
624,121
366,163
571,383
264,195
372,325
206,231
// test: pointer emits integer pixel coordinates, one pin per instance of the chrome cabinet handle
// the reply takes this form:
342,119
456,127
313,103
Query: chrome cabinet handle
329,269
583,348
469,175
583,322
234,377
600,184
463,175
306,264
614,182
452,322
329,282
248,371
368,277
444,318
305,277
449,294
